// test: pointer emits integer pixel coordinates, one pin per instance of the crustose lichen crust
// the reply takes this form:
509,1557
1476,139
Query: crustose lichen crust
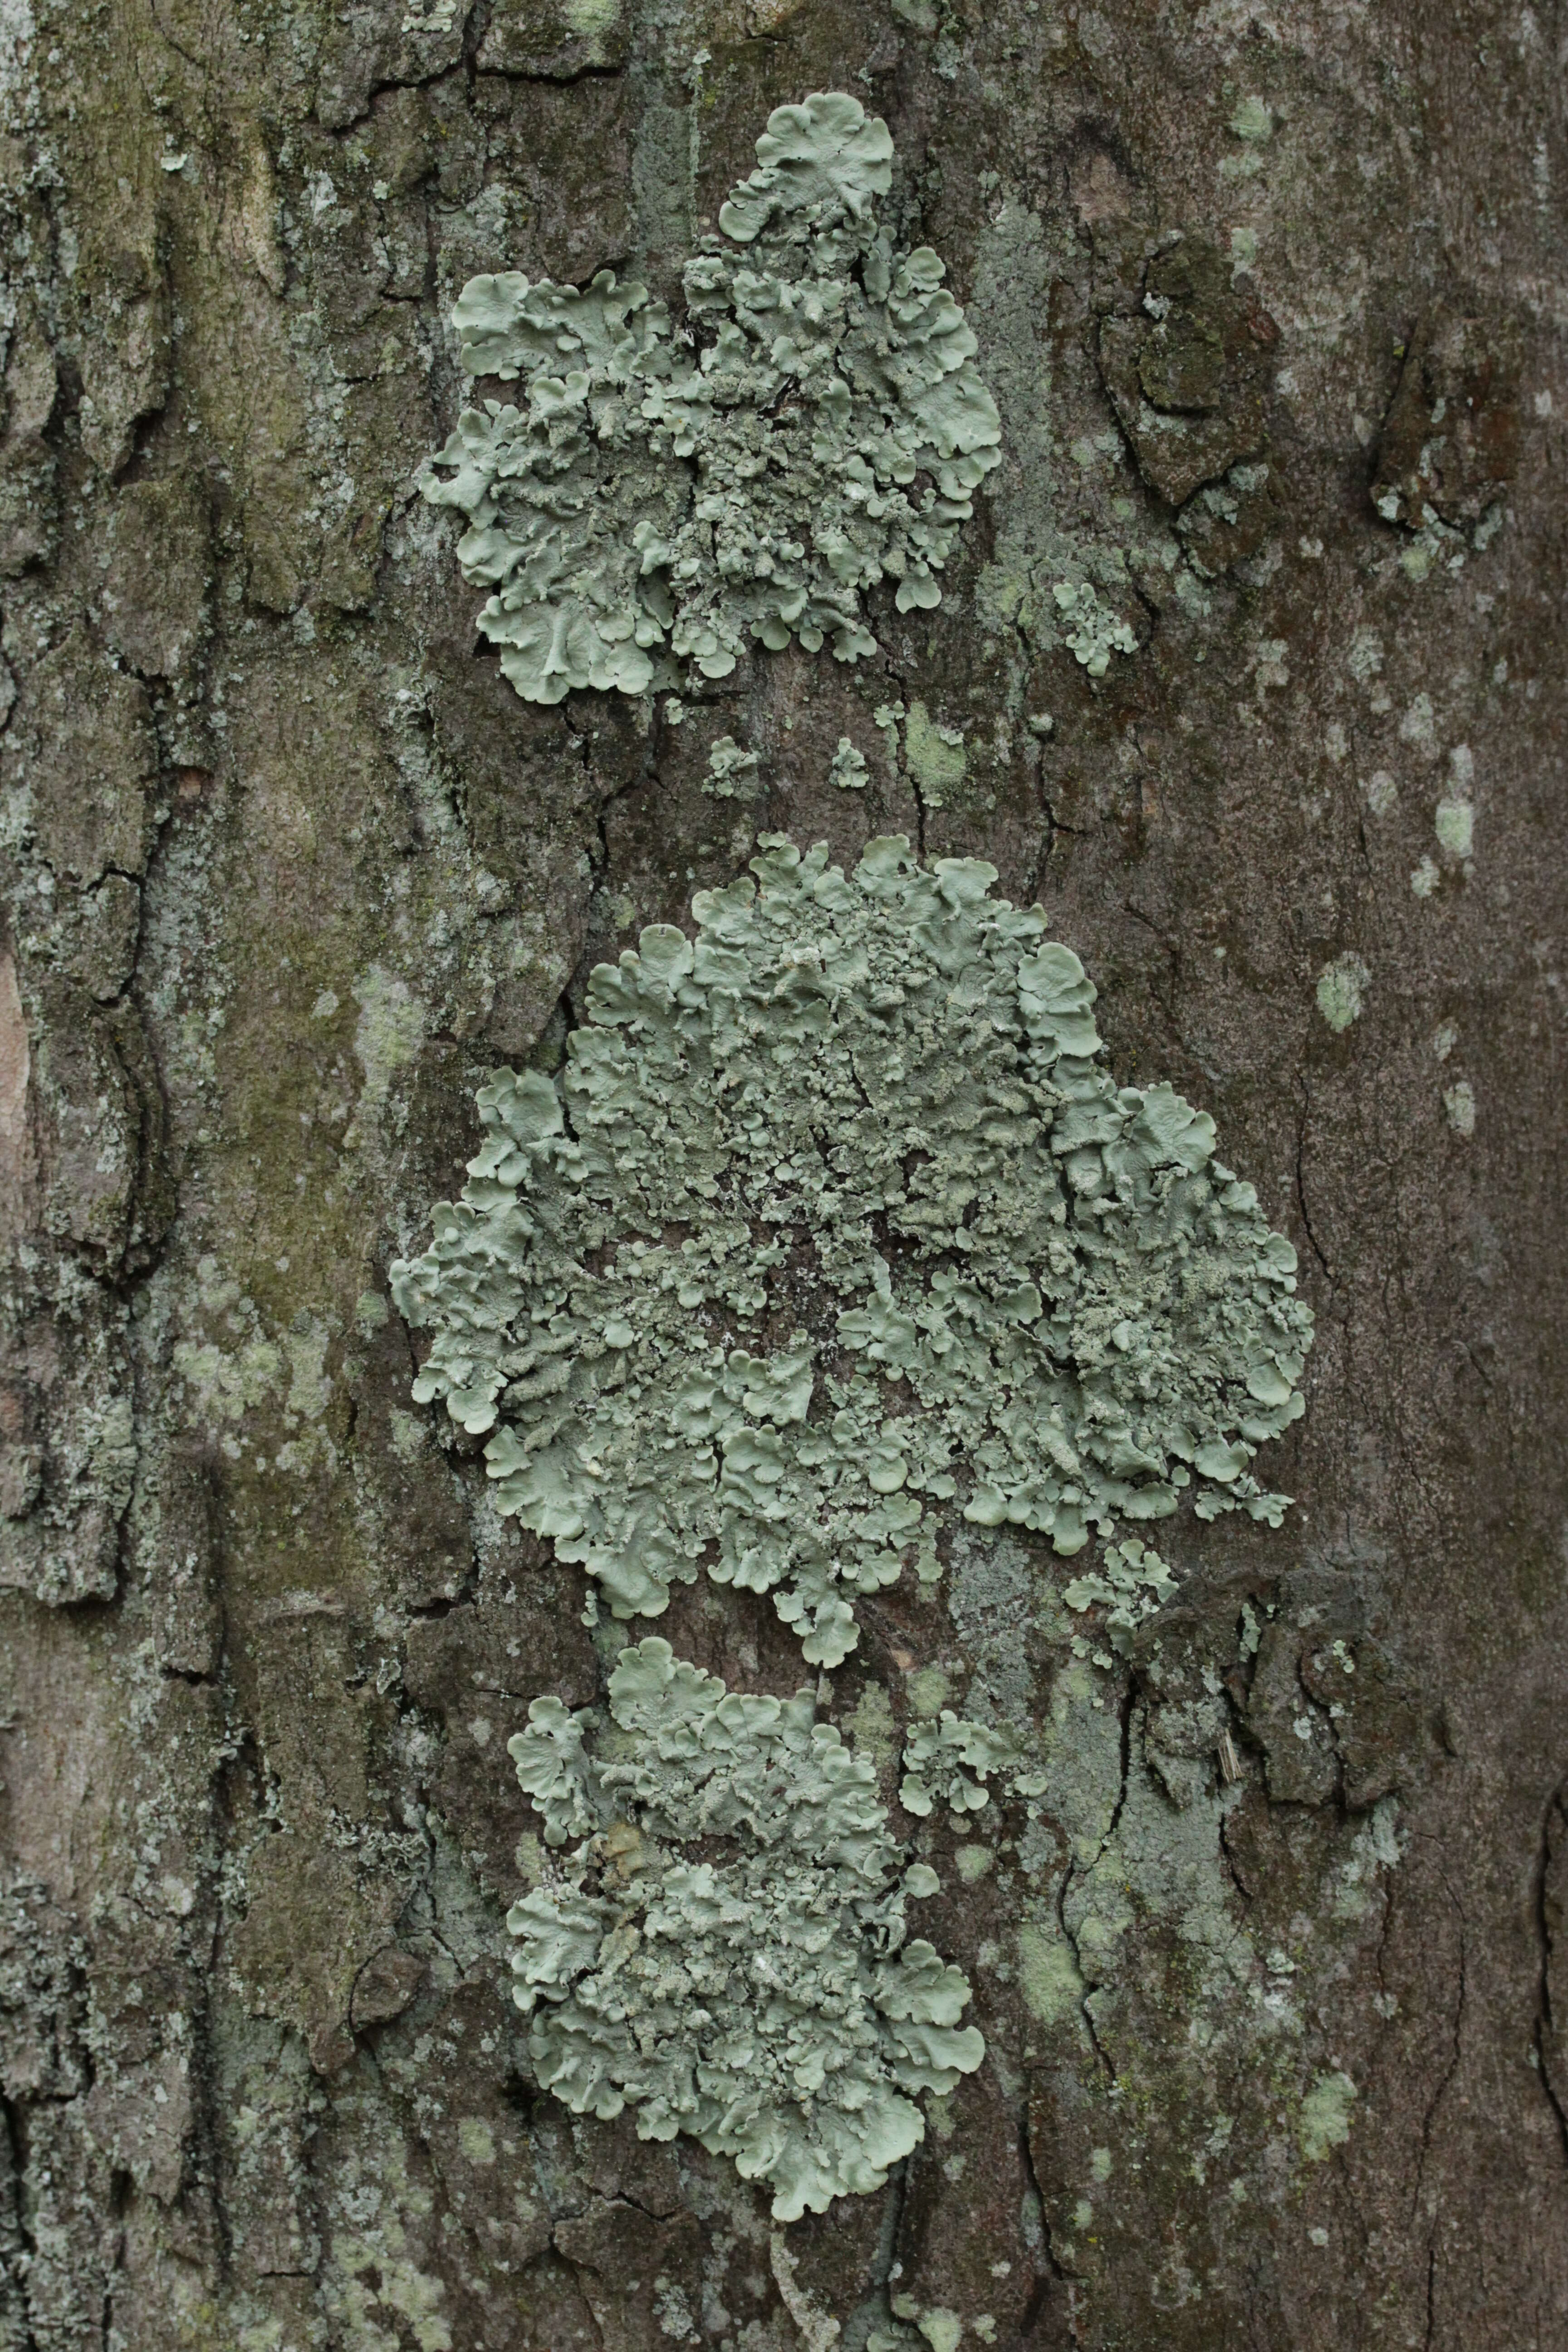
815,425
837,1226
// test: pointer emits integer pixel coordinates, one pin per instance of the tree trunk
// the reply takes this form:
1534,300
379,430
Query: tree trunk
1244,671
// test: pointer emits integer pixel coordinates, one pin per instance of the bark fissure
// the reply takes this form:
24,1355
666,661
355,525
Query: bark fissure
1547,2029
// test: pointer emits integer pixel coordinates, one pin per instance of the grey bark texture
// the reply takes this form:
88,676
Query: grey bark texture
1275,1989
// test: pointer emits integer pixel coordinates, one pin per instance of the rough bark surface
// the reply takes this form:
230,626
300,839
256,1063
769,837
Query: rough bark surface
1276,1989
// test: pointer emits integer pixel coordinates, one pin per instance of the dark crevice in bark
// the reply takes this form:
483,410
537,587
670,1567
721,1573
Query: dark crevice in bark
1302,1181
581,2271
13,2126
388,88
553,80
1431,2295
1429,2116
647,774
1547,2028
875,2310
1054,2276
1071,1942
1042,863
1228,1858
1124,1719
466,1597
1163,995
121,2189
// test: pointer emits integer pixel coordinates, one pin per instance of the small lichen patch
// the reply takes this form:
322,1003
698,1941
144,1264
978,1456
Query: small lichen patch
477,2139
1342,991
817,2329
1091,630
928,1690
1324,2122
1130,1584
943,2329
847,767
1460,1104
949,1762
679,495
937,759
837,1233
1455,824
731,771
871,1730
388,1033
1048,1975
765,1998
1418,727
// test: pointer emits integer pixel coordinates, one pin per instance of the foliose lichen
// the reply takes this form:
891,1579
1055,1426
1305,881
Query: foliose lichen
1090,631
849,767
731,771
765,1998
949,1762
1129,1583
835,1231
666,495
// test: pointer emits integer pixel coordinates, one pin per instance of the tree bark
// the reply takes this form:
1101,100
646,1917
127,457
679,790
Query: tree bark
1275,1984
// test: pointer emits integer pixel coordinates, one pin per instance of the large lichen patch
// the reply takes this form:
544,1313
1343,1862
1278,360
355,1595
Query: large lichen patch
670,494
836,1229
760,1993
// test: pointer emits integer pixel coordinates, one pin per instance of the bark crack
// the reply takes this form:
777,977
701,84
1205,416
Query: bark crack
1054,2275
1302,1181
1546,2023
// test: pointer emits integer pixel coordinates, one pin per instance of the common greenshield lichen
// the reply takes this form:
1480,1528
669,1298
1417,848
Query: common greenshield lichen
1090,632
1128,1582
760,1993
950,1760
816,425
837,1230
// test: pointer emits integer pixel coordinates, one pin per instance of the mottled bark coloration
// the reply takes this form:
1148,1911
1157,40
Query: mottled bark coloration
1246,668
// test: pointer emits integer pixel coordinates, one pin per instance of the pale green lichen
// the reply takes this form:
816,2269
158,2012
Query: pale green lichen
836,1229
1459,1104
1455,824
847,767
1324,2121
1131,1582
763,1997
1090,631
816,426
936,754
1342,991
949,1762
731,771
928,1690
